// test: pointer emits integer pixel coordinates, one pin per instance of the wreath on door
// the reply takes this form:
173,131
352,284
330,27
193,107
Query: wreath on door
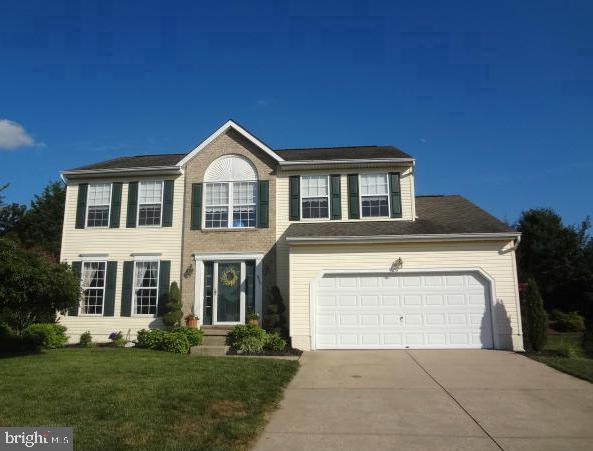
229,277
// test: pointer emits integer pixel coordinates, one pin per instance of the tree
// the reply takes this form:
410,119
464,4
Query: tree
274,320
2,188
32,288
534,318
557,257
173,308
10,218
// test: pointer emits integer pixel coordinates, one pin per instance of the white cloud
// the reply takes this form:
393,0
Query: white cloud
14,136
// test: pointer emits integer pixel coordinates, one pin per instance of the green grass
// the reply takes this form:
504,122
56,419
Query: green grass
580,366
141,399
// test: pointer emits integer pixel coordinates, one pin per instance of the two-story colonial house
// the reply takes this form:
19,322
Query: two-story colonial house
360,260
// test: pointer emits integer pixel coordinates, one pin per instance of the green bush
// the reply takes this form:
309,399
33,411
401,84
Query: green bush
150,339
274,320
588,338
567,349
11,342
274,342
251,345
49,336
174,342
567,322
117,339
242,332
86,340
194,336
173,308
535,319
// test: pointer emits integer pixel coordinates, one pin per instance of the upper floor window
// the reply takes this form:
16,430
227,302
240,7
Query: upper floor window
374,195
98,205
315,196
93,288
150,203
230,195
146,287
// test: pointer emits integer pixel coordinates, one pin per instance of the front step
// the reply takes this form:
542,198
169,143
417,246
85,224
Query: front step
208,350
214,340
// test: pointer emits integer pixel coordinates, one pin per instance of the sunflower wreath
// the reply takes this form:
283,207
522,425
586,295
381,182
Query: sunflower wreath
229,277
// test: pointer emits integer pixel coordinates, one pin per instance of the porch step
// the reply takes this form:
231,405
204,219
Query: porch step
216,330
208,350
214,340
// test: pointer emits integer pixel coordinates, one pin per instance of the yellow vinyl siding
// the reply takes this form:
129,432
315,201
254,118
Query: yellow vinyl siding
307,262
119,243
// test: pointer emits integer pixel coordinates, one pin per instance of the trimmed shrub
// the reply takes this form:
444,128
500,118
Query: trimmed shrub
150,339
194,336
250,345
48,336
274,342
86,340
242,332
567,349
274,320
566,322
174,342
118,339
535,320
173,308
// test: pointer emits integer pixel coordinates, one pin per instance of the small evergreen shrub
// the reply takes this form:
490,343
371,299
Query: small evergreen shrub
567,349
242,332
194,336
86,340
48,336
118,339
567,322
274,320
150,339
174,307
274,342
174,342
251,345
11,342
535,319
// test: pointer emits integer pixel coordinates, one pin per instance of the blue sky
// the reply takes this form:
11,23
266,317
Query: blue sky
494,99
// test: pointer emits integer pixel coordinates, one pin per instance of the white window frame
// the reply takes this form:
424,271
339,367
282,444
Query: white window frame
82,289
360,195
138,206
145,259
230,205
315,197
86,216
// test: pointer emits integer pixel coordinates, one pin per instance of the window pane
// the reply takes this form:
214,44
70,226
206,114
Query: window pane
371,184
99,193
146,287
244,216
149,215
217,194
314,185
93,288
150,192
375,206
315,208
97,217
243,193
216,217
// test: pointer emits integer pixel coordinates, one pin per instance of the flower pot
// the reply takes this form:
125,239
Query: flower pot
253,321
191,323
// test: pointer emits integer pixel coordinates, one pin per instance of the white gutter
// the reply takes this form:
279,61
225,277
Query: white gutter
406,238
346,161
120,171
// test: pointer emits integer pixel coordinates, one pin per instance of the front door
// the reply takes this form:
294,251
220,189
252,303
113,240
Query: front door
227,293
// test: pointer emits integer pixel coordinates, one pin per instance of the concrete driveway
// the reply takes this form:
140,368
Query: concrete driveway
445,400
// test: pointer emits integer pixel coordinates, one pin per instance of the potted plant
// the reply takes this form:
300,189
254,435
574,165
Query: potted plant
191,321
252,318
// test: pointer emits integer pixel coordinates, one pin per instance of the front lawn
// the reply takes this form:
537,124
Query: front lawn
580,366
141,399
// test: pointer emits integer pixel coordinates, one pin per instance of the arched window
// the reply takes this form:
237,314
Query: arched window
230,197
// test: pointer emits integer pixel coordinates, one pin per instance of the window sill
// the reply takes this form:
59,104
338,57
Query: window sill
228,229
95,315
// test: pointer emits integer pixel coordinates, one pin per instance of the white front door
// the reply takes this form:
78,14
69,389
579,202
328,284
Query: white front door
400,311
228,295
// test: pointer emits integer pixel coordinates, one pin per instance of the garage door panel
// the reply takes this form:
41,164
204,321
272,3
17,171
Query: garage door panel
403,311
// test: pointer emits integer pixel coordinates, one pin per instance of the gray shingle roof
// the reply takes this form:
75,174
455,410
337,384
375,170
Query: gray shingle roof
436,215
138,161
341,153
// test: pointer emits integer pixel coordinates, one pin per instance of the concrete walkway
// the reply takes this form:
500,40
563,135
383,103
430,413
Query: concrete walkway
430,400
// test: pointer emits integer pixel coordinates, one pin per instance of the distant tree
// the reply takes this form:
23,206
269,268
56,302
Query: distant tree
557,257
32,288
2,188
10,218
534,318
173,308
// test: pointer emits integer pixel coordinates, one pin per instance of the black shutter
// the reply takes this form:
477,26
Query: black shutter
132,204
263,202
168,204
395,193
294,190
335,196
77,268
196,206
81,205
126,289
353,201
109,304
164,276
115,205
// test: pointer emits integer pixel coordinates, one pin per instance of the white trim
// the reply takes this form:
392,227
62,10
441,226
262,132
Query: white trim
147,257
360,195
230,204
200,258
93,257
160,224
517,303
328,197
313,287
409,238
82,288
382,161
222,129
86,213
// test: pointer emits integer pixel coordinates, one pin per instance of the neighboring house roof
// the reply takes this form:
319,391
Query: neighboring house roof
437,215
341,153
138,161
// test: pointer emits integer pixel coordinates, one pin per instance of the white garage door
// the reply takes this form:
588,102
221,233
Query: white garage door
426,310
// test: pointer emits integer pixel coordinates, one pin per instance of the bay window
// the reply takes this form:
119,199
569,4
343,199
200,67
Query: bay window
315,196
146,287
93,288
374,195
230,205
98,205
150,203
